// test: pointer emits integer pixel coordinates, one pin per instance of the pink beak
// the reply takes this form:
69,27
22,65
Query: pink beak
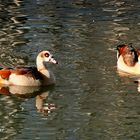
52,60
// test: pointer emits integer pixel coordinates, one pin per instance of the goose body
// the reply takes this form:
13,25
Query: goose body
30,76
128,59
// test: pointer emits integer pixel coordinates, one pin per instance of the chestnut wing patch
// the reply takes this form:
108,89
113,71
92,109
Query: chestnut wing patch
5,73
27,71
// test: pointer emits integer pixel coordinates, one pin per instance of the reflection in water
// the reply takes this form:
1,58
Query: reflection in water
18,2
29,92
11,104
131,77
137,81
45,109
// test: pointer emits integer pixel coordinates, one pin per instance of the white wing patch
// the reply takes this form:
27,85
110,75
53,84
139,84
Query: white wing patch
23,80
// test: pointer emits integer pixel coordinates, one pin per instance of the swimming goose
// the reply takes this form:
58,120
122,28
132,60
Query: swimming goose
128,59
30,76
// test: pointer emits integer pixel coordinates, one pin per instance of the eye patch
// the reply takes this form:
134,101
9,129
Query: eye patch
46,54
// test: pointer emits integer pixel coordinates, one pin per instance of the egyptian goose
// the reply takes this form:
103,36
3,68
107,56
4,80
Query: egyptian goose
30,76
128,59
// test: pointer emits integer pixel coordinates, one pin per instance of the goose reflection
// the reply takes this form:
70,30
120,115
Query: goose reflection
39,93
137,81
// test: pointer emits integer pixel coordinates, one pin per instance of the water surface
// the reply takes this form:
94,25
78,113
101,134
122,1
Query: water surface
90,99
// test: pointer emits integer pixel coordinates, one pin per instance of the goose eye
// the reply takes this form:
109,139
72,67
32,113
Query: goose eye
46,54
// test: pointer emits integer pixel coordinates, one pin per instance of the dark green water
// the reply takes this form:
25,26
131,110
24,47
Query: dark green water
90,100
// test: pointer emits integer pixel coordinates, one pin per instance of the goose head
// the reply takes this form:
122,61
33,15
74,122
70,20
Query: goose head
43,58
129,54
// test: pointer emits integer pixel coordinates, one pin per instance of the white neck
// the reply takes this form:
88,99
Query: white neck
42,67
40,63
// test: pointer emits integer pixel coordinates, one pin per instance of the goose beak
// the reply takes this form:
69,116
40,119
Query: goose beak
52,60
